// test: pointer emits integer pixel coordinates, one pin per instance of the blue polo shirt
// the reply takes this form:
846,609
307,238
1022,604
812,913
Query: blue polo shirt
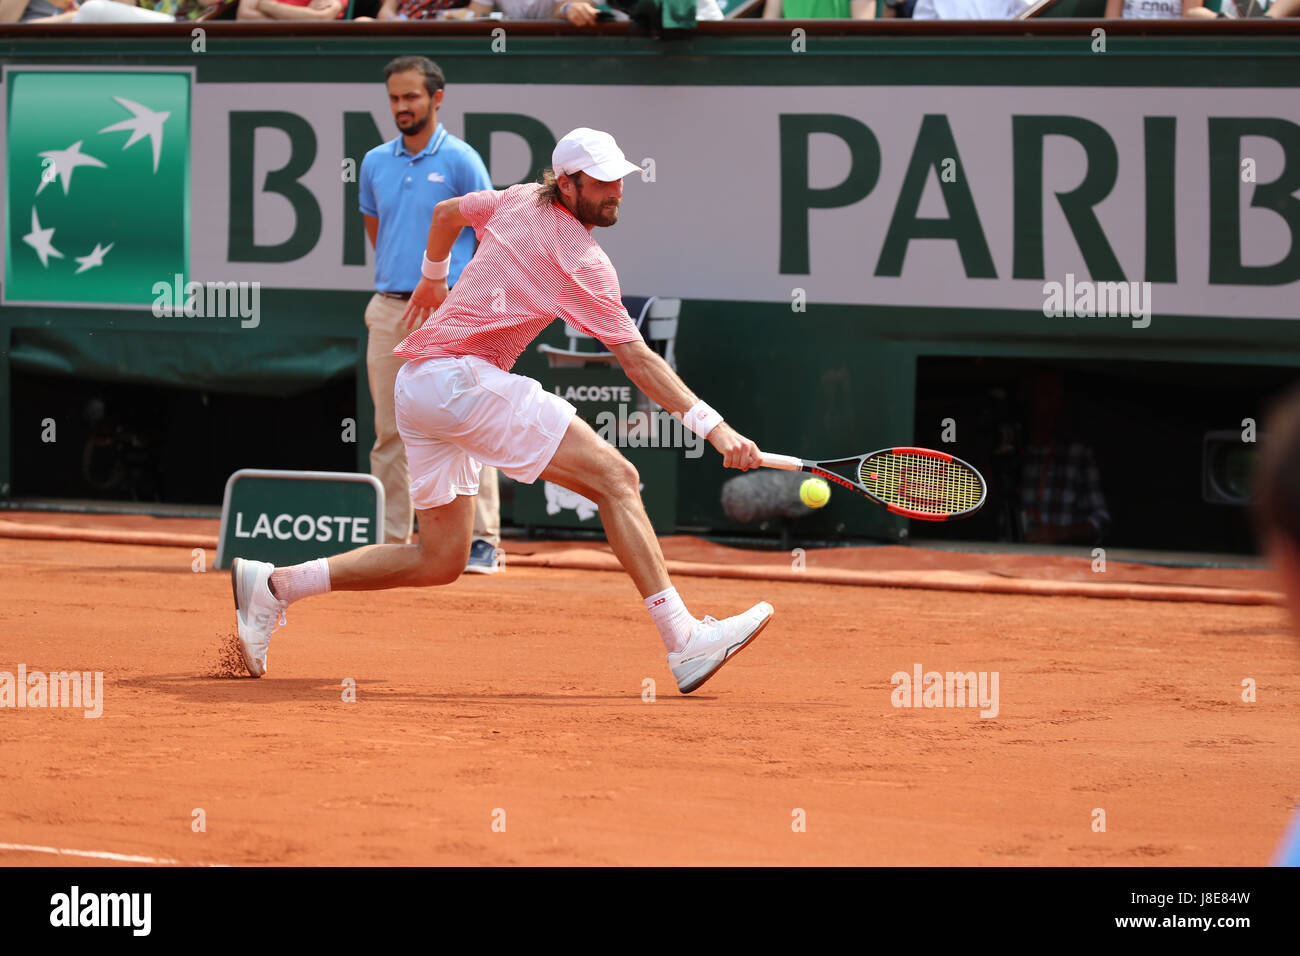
401,190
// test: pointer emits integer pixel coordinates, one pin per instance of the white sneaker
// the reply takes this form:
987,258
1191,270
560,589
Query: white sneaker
715,642
257,611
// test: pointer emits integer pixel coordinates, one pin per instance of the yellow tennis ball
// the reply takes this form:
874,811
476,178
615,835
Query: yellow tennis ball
814,492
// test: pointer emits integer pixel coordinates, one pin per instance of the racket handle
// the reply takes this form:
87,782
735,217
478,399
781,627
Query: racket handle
784,462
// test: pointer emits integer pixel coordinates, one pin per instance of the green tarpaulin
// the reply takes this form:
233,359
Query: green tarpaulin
256,363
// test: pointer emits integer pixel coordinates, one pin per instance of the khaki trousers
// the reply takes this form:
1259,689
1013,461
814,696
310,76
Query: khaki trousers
487,508
388,456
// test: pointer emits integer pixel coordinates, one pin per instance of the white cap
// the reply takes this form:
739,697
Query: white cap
592,152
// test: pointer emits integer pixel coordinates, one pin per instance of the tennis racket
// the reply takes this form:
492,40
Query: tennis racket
915,482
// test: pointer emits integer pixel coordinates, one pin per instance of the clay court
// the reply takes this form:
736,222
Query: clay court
523,692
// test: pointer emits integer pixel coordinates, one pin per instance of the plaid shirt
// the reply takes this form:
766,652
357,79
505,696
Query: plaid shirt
426,9
1060,486
183,9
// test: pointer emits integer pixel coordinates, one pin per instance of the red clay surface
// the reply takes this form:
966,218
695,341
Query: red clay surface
1075,574
522,692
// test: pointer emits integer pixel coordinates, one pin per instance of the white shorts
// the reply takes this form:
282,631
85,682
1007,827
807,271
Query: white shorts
457,414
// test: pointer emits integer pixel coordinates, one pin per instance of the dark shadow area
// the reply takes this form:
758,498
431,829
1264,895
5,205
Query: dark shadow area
207,688
116,441
1144,425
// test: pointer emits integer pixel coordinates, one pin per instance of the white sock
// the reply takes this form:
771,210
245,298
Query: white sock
671,617
301,580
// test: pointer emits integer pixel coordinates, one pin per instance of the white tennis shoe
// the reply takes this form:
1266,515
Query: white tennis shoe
713,643
257,611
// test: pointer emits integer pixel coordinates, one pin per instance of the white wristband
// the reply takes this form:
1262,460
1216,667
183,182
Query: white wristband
701,419
435,270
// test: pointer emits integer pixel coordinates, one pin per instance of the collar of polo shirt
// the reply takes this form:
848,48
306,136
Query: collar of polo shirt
431,147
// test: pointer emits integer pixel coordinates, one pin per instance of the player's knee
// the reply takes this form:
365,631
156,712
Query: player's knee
438,572
622,478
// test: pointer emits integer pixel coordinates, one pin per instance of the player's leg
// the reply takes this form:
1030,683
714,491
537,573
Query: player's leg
263,592
511,422
593,468
437,557
696,648
444,486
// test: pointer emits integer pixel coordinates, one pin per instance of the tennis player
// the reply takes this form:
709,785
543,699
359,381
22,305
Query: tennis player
1277,512
459,407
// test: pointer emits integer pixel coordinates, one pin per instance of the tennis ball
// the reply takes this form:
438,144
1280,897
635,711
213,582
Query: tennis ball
814,492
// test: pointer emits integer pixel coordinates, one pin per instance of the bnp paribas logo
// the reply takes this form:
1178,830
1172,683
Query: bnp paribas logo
96,185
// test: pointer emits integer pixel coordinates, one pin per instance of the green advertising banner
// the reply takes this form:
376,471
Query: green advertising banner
96,185
287,517
832,213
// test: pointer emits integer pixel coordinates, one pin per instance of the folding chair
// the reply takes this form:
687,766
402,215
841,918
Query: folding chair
656,319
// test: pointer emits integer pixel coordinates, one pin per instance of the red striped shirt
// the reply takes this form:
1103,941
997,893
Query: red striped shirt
533,264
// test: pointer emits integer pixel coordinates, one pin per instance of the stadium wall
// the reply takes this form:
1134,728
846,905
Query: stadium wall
831,206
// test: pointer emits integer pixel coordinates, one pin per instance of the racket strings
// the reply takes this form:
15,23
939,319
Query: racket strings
921,483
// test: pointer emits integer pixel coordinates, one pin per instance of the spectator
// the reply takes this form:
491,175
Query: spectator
37,11
582,13
1157,9
418,9
510,9
819,10
149,11
401,181
968,9
578,12
291,10
1061,501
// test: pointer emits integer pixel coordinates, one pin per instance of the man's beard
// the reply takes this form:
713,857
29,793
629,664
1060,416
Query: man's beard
591,213
415,127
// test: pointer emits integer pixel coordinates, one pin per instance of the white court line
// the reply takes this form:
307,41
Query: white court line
94,854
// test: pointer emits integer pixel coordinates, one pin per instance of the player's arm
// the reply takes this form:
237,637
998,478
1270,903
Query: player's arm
372,229
650,373
430,293
578,12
